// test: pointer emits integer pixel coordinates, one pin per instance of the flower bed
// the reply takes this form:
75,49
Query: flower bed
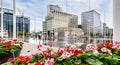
100,54
9,48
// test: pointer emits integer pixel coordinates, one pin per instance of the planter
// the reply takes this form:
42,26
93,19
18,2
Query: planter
5,58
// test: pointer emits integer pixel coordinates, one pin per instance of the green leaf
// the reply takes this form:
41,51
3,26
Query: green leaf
7,63
84,55
78,62
59,58
67,62
36,58
93,61
33,59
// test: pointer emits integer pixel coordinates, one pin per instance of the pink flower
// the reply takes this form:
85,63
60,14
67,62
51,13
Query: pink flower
116,45
44,51
91,47
66,55
50,43
49,61
49,54
105,50
10,59
13,64
39,46
72,47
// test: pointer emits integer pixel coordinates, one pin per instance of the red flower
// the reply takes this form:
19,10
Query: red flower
83,64
68,50
37,63
8,43
27,59
101,45
14,39
23,58
60,51
20,58
75,52
108,44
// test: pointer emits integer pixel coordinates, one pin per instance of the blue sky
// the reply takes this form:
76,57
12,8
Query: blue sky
37,9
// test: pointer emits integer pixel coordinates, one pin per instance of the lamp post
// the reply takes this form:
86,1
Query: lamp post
89,21
23,27
2,18
14,19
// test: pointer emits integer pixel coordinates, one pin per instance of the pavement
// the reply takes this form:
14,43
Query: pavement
29,48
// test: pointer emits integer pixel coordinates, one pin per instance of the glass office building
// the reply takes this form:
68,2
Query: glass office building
7,21
23,20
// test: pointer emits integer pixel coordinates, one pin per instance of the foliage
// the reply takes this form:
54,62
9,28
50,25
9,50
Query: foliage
9,46
99,54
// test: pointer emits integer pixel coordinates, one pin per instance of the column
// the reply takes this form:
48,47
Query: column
14,19
116,20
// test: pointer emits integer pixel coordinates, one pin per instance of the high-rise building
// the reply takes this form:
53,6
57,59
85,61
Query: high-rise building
22,21
91,22
7,21
104,29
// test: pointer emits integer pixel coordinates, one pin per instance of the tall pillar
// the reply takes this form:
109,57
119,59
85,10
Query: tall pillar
2,31
116,20
14,19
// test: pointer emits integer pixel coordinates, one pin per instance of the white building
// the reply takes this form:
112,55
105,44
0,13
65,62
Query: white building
50,8
56,18
91,22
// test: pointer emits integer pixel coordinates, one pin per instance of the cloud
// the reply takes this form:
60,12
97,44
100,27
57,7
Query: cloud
37,9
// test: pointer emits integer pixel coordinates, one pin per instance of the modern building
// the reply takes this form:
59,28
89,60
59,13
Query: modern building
7,21
91,22
23,23
104,29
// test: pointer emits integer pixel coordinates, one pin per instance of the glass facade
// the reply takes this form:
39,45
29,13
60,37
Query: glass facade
8,21
23,20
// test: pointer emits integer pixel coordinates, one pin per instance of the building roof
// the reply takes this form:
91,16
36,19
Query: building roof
7,10
91,11
64,13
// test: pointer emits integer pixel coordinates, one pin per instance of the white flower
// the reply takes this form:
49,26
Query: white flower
17,44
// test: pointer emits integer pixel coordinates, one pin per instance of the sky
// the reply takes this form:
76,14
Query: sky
37,9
